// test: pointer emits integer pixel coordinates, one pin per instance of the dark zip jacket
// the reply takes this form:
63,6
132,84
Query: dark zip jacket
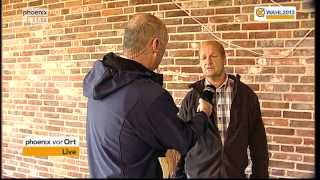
132,120
208,158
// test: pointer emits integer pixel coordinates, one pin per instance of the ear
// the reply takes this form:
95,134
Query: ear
155,44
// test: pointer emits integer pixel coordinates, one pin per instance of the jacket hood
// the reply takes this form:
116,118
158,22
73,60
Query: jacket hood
112,73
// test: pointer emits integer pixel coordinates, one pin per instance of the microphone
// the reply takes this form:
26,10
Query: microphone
208,94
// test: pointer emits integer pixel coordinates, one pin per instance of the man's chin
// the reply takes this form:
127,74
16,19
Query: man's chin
210,74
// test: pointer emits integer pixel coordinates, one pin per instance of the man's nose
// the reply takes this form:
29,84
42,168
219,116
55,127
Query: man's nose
208,61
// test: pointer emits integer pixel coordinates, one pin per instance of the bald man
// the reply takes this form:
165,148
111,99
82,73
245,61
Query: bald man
131,119
235,124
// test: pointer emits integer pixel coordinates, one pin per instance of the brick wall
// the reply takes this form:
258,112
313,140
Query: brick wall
43,66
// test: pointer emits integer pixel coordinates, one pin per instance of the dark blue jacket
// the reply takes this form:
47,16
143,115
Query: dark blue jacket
132,120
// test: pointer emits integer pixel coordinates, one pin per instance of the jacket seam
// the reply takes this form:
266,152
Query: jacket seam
123,169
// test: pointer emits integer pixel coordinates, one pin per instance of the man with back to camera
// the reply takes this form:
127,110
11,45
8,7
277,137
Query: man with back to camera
236,123
131,119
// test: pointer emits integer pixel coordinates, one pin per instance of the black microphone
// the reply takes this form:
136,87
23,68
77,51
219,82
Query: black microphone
208,94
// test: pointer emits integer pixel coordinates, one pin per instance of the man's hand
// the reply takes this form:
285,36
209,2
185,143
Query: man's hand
205,106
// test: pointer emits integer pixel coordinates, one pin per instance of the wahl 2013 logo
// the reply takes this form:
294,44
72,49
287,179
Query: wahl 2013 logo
275,13
260,12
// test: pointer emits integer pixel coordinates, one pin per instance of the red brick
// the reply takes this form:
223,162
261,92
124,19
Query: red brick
75,78
304,52
277,1
174,21
245,2
303,124
287,140
63,44
280,131
121,25
308,141
271,113
177,86
254,26
284,34
273,147
41,52
146,8
168,6
220,3
307,150
74,124
222,19
182,29
278,172
26,113
291,70
275,105
117,4
112,41
302,106
187,61
297,174
19,5
309,159
117,18
281,164
284,156
137,2
202,12
96,7
241,61
86,35
284,25
298,97
180,37
285,148
270,43
36,3
302,88
177,45
65,110
23,35
202,20
269,96
270,70
245,44
228,27
191,70
182,53
275,88
111,12
307,24
247,9
297,115
235,35
240,70
48,109
284,61
229,10
305,133
302,33
91,42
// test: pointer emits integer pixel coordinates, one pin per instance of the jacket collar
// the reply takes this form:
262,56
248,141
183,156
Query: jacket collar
199,85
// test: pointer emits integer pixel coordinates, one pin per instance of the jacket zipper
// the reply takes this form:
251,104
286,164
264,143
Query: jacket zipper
221,144
222,149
